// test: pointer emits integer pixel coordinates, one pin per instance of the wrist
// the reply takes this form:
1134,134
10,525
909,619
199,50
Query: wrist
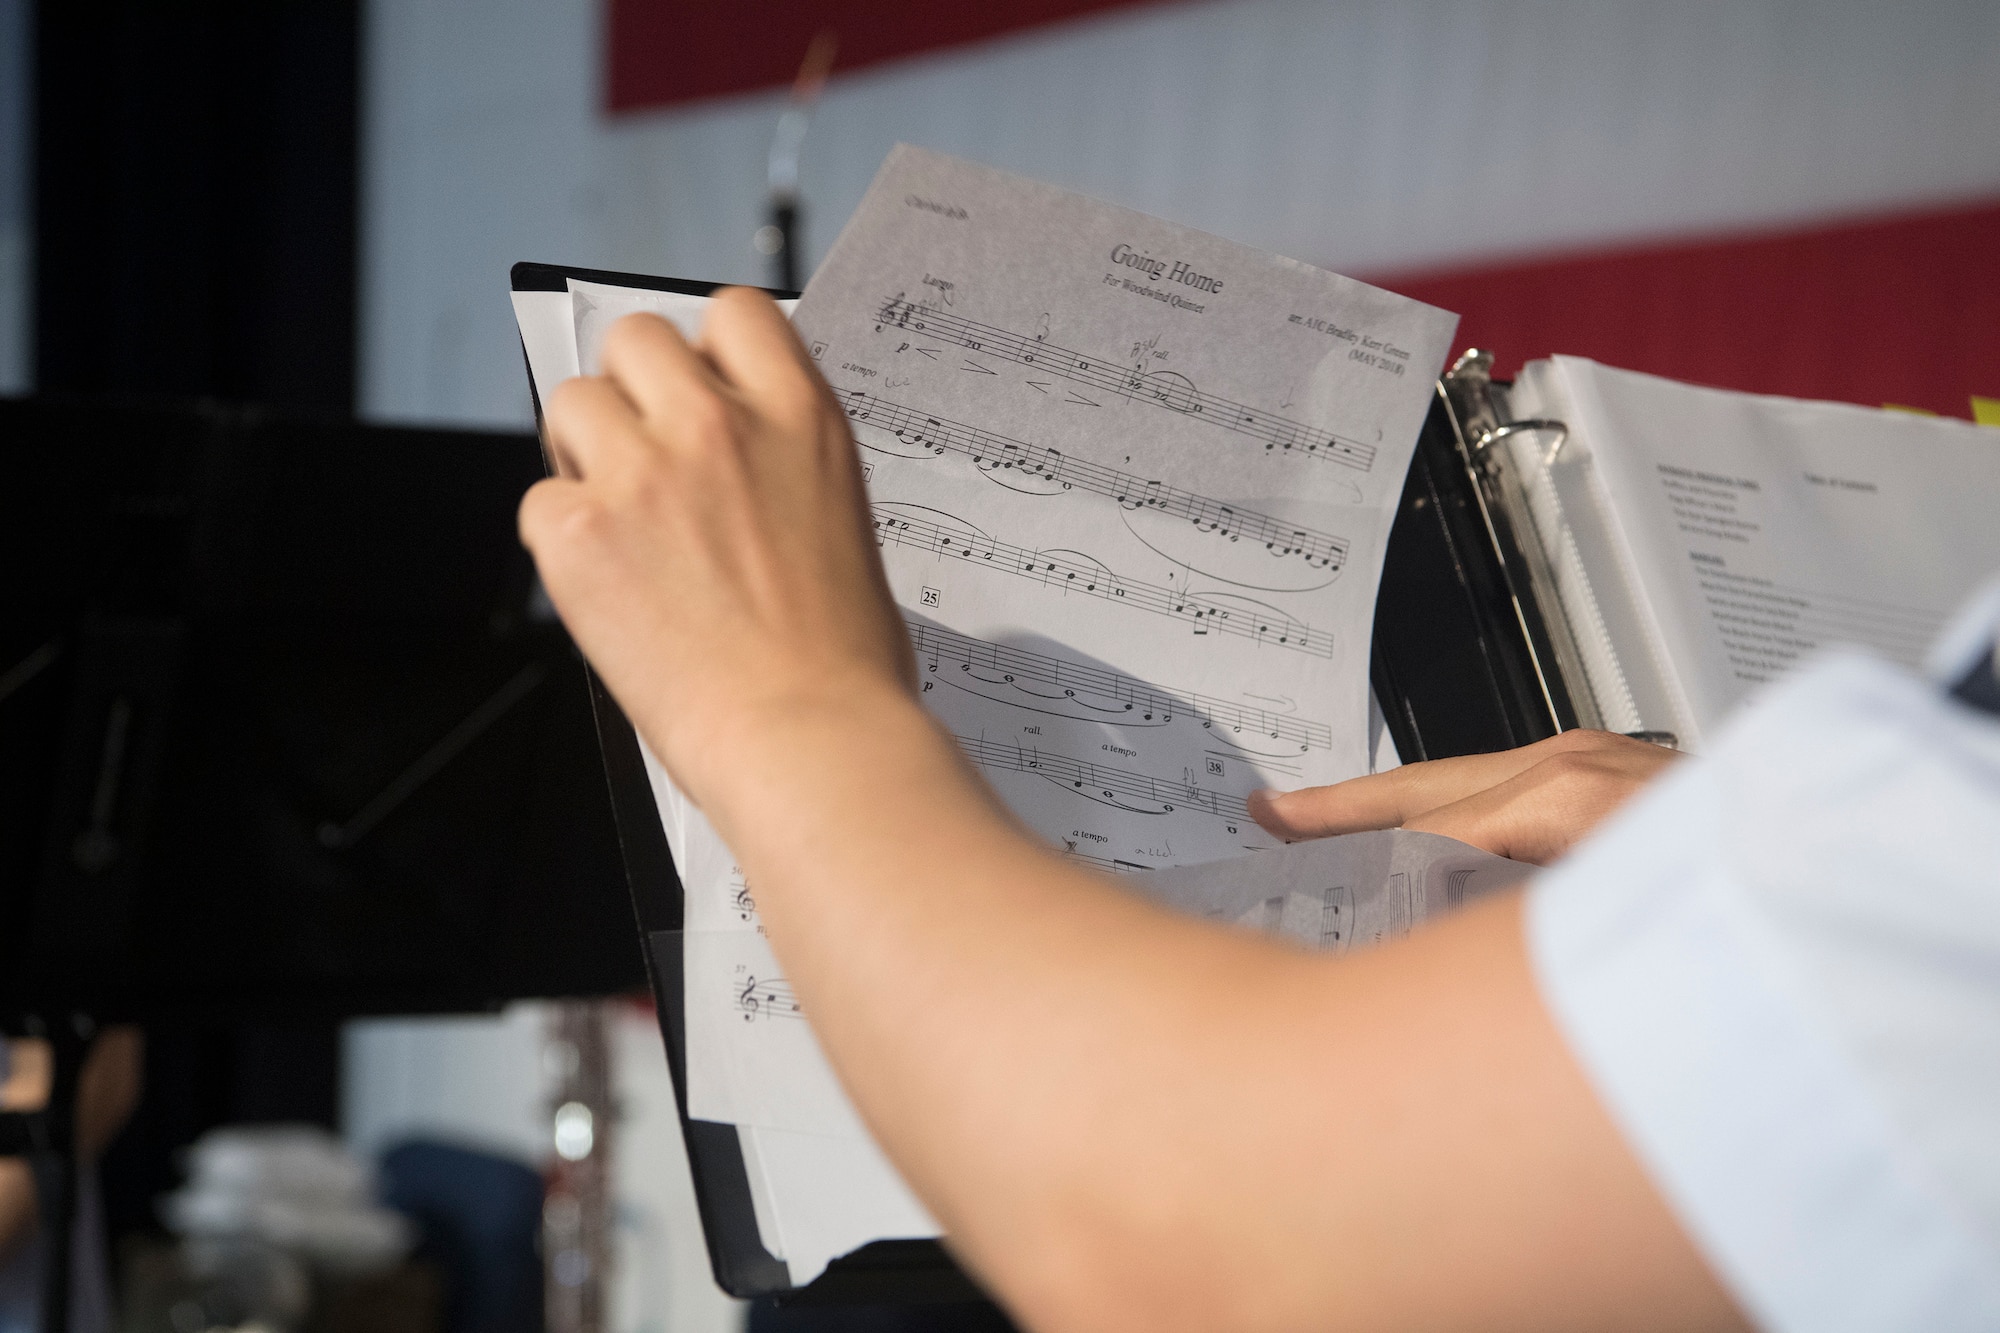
865,780
782,737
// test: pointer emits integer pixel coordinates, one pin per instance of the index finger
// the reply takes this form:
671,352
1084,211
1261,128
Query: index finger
1389,800
1384,800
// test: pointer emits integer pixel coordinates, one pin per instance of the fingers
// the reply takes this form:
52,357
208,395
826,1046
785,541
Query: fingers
747,358
1383,800
550,507
593,429
1541,812
1500,821
754,347
1536,800
668,381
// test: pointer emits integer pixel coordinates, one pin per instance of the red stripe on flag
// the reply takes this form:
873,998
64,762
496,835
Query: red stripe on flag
666,51
1894,310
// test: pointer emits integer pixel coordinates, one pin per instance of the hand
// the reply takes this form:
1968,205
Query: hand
708,542
1532,804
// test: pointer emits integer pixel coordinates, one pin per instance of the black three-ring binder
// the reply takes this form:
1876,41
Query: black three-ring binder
1470,655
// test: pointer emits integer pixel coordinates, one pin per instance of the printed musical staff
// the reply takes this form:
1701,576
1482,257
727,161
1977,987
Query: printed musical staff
937,646
997,453
767,997
1110,864
1205,613
1171,391
1097,780
740,900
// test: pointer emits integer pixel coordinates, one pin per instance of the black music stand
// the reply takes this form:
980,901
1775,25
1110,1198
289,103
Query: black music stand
286,732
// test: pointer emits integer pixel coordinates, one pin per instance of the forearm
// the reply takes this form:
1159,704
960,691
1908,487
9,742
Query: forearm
1127,1118
938,948
1124,1118
1004,1020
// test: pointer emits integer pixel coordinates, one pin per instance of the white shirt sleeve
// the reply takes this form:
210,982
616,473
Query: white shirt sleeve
1781,970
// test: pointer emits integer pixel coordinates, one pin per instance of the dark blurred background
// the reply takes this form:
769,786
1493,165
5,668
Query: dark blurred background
187,182
286,738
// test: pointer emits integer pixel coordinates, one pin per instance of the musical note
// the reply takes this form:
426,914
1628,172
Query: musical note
1168,389
1100,782
1116,865
998,453
1205,613
937,646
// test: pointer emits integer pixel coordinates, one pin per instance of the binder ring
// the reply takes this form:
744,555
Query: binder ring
1498,433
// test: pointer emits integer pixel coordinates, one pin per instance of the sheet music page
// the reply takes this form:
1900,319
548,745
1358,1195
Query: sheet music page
1132,484
830,1196
1758,529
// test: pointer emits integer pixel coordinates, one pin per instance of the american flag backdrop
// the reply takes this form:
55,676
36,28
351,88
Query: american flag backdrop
1784,198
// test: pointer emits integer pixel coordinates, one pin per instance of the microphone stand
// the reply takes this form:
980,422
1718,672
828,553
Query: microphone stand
782,233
